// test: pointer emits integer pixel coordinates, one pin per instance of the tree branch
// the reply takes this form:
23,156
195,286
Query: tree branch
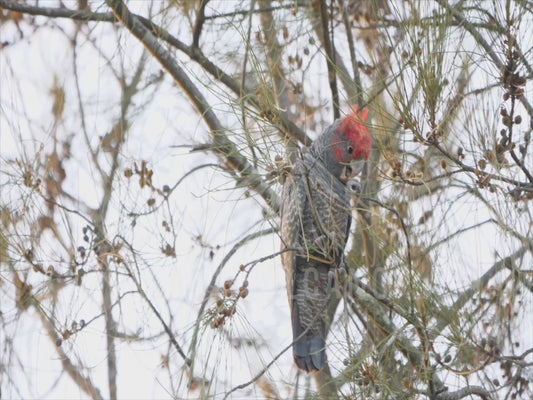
465,392
276,116
211,285
166,327
52,12
198,25
357,98
455,11
476,287
72,370
223,146
330,57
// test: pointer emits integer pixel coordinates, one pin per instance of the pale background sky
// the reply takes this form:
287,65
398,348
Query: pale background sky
204,204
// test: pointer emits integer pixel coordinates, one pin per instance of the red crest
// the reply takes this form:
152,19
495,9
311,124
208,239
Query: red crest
354,130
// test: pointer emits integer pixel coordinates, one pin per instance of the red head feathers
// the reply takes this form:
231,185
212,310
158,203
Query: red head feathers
353,128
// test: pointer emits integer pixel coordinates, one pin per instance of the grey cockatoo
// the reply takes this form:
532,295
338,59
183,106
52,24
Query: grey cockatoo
315,221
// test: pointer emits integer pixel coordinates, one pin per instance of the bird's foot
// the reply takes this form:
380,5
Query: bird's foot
354,187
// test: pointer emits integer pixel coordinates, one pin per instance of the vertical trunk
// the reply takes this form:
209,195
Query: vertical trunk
110,328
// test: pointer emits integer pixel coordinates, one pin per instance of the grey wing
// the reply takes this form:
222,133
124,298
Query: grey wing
333,203
292,203
348,218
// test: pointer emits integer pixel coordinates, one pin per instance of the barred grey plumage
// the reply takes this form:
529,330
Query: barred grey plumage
315,221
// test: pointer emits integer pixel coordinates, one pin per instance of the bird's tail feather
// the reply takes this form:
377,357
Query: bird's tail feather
309,346
309,352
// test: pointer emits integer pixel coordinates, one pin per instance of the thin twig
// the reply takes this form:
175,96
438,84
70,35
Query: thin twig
351,46
198,25
277,117
249,175
166,327
456,12
474,288
84,382
330,57
211,285
260,374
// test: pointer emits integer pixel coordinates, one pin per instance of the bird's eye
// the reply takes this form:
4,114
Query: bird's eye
350,149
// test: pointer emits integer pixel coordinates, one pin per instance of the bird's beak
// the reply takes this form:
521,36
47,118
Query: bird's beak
347,173
352,170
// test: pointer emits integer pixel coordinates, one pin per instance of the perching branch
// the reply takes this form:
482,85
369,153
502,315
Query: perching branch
466,392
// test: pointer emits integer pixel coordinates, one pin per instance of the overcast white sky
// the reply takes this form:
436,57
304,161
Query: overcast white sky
204,204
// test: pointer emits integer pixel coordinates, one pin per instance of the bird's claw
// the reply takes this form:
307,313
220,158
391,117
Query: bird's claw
321,243
354,186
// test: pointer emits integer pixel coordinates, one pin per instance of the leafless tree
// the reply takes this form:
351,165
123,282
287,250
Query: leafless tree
142,150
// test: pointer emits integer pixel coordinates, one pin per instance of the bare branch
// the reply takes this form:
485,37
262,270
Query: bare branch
466,392
223,146
476,287
276,116
456,12
330,57
214,277
84,383
53,12
200,19
166,327
358,99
